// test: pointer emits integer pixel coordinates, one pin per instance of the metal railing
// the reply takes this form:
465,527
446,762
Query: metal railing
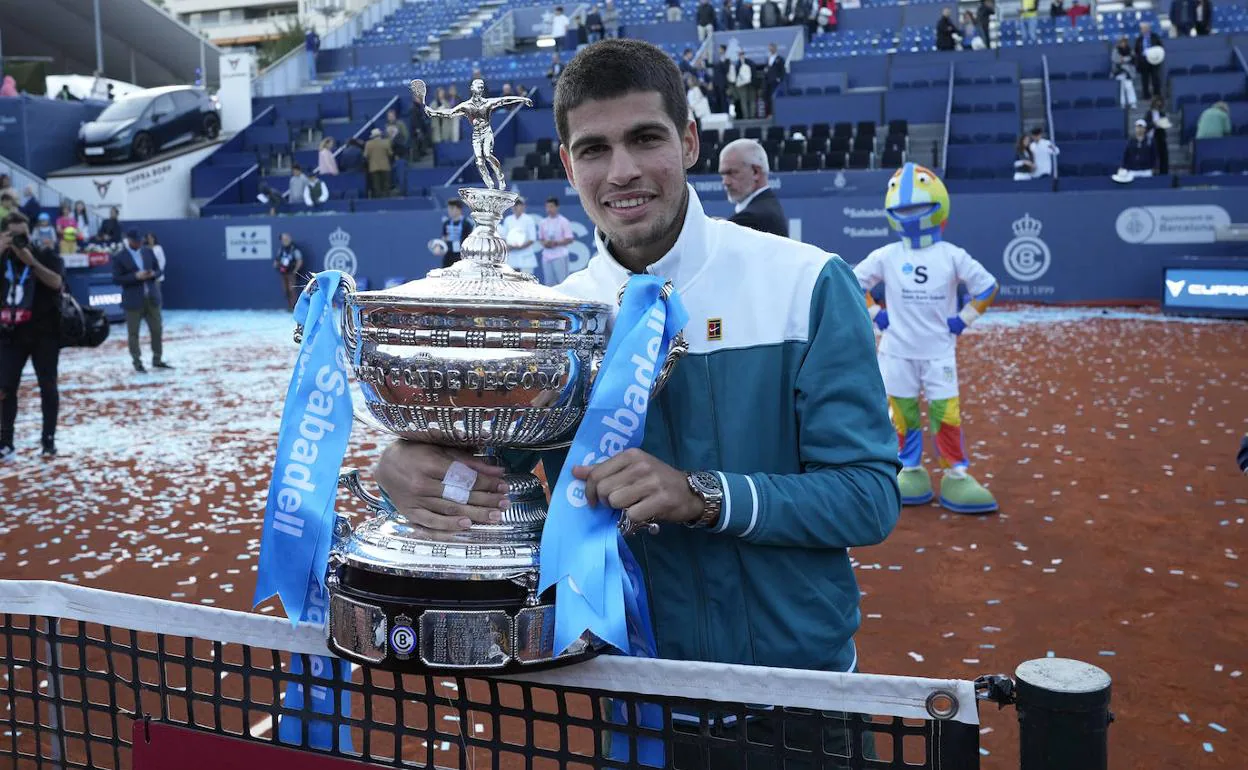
944,149
500,37
1048,107
236,143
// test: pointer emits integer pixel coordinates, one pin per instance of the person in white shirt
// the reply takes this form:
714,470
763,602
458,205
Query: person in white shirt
520,232
150,242
559,23
920,324
1043,153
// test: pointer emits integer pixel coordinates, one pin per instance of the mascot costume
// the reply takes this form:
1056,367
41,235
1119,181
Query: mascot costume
919,323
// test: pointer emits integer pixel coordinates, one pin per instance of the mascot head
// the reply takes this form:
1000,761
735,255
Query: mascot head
917,205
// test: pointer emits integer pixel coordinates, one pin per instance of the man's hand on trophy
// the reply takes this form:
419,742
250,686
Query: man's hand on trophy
642,486
440,488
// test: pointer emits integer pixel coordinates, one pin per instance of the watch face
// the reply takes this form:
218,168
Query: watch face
707,482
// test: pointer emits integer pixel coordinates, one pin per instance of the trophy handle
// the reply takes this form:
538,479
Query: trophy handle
676,352
351,481
348,319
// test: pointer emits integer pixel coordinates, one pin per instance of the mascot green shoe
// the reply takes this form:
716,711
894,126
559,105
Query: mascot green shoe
916,486
961,493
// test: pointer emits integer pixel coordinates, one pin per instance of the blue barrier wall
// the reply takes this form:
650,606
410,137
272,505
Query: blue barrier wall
1028,240
41,133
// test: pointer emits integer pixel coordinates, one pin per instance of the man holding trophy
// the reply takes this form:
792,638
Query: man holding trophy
768,454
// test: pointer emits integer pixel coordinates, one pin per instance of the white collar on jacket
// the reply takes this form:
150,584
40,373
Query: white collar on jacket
688,257
750,198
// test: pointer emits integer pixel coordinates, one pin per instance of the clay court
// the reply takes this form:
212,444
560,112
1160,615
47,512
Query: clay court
1108,436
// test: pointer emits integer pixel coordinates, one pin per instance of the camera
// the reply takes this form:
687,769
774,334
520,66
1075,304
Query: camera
21,241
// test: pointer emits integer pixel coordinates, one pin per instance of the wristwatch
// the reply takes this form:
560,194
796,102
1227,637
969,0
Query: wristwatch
706,486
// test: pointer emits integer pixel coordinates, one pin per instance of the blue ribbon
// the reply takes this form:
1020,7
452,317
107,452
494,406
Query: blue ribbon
600,585
299,515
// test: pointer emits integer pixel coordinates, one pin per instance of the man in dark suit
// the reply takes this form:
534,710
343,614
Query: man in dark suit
774,76
719,81
1150,74
136,271
743,167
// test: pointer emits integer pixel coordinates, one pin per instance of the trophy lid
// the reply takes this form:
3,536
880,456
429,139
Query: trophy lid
470,282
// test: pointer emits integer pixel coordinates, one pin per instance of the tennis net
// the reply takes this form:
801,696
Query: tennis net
93,679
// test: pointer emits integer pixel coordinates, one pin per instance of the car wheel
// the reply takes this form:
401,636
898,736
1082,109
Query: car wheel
212,126
142,147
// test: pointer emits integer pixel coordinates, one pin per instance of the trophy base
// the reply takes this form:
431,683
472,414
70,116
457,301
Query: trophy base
455,627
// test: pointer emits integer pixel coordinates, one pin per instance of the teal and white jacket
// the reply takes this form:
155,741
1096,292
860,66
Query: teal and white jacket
781,396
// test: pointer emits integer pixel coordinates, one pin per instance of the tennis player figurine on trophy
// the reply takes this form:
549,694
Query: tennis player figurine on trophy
478,356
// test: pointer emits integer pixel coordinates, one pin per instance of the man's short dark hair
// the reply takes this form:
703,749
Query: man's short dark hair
456,202
613,68
553,199
1037,131
14,217
8,197
295,167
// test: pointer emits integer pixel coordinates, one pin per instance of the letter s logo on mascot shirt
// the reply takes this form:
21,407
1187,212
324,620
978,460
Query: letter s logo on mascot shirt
920,274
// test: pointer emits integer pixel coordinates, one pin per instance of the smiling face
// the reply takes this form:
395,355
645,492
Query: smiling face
917,204
627,161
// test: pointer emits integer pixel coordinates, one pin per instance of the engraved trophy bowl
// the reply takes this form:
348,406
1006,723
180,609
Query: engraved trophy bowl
478,356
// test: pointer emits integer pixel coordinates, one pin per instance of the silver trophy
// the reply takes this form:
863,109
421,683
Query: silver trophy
480,356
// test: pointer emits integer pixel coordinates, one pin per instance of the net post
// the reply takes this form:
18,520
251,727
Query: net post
1063,715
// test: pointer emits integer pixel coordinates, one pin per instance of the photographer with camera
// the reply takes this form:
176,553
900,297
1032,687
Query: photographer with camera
289,263
31,280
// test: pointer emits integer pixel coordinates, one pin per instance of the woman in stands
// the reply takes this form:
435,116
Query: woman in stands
1122,69
82,220
325,161
1140,156
1157,125
65,220
1024,162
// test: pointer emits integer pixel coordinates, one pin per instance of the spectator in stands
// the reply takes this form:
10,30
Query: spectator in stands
770,14
1027,11
727,16
8,204
946,30
455,228
65,219
520,231
31,280
826,16
554,232
1078,8
699,104
1140,156
6,187
719,81
611,19
593,25
674,11
440,127
705,18
289,266
136,272
1024,161
559,25
30,203
971,39
396,131
744,170
745,14
311,44
1204,17
1056,9
1214,122
297,186
44,233
326,163
741,76
450,130
9,86
773,77
1183,16
378,154
1043,153
686,62
802,14
82,220
1157,125
109,233
152,243
984,14
556,69
1122,69
1150,74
